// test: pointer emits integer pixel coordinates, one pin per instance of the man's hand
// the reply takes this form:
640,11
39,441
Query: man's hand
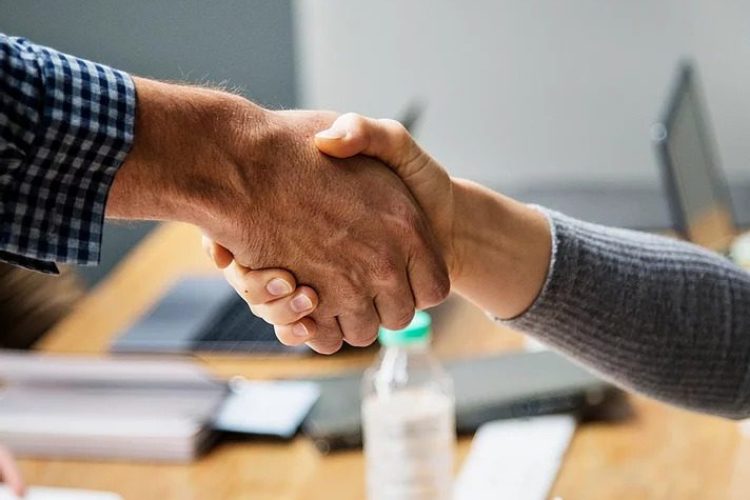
254,181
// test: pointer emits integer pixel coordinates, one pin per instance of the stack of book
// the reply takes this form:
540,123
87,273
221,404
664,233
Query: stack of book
93,408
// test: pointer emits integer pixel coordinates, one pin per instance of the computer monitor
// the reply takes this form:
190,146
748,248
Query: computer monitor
697,192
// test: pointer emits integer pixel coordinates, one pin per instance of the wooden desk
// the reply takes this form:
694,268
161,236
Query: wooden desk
661,453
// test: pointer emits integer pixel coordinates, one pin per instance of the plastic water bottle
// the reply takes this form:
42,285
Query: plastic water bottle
408,418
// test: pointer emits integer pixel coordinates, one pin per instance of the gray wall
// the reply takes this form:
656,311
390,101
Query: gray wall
247,44
521,92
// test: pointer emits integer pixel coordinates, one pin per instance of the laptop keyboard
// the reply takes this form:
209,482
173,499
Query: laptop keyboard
235,328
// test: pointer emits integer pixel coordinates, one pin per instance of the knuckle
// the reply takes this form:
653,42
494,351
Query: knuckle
352,117
364,332
327,309
285,336
396,128
263,313
442,284
353,121
437,291
274,317
364,338
384,267
325,348
400,318
400,137
284,314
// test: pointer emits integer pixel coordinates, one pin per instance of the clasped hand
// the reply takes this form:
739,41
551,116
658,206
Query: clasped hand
349,232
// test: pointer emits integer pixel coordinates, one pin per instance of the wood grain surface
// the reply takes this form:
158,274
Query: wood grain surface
658,453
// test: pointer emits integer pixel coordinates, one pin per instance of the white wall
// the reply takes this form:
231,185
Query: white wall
522,91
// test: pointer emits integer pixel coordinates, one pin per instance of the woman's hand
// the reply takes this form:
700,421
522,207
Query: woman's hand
272,294
10,473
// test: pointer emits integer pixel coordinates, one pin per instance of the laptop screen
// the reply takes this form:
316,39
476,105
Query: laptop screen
699,198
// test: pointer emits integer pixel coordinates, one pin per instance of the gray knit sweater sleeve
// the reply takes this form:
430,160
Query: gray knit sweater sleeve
659,316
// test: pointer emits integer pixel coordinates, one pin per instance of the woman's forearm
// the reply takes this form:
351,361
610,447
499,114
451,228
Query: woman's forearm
660,316
502,250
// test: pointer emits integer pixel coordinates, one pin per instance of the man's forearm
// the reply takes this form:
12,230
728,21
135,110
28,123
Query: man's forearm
183,160
66,126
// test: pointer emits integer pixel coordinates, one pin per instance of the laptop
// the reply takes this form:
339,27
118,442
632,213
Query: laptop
699,200
201,314
500,386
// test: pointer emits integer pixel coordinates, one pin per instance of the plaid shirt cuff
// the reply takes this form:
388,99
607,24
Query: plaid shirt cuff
66,125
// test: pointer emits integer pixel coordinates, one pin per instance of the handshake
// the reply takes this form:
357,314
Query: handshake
327,225
375,247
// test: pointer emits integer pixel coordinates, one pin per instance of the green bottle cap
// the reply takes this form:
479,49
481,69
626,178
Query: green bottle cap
417,331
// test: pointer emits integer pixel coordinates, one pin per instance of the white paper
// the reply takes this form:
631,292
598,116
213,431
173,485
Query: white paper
267,408
516,459
42,493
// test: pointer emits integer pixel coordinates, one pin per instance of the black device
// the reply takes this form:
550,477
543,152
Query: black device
202,315
698,195
487,388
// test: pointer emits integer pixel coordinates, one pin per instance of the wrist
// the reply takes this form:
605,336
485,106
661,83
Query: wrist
184,157
502,250
463,241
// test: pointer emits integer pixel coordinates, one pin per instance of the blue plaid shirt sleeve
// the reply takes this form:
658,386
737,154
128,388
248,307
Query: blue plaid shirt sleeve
66,125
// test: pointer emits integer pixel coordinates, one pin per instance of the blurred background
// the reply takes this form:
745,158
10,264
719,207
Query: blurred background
550,101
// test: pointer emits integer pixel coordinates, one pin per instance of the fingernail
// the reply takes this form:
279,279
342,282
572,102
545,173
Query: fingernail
299,330
301,303
331,133
278,286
